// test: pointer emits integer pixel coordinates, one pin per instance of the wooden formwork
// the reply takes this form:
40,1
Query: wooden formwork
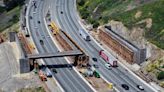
81,60
116,46
72,41
63,43
58,33
26,45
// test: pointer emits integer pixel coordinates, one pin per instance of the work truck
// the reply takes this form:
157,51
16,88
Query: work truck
42,76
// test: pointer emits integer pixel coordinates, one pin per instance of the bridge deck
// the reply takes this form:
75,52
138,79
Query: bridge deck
51,55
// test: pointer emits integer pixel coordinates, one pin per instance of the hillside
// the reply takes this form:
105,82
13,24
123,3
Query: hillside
146,14
139,21
9,18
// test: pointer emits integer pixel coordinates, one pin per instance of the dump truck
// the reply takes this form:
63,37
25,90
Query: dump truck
102,54
84,34
42,76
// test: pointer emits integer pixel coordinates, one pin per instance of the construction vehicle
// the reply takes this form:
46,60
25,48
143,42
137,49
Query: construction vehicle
110,85
42,76
84,34
96,74
32,46
54,28
102,54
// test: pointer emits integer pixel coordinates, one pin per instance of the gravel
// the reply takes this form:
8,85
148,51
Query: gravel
10,79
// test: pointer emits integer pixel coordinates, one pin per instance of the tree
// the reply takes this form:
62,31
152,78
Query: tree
9,4
160,75
96,24
81,2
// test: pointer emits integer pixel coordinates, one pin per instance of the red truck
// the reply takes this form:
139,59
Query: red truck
102,54
42,76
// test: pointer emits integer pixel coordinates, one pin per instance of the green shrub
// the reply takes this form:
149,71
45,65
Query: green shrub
95,24
81,2
2,9
160,75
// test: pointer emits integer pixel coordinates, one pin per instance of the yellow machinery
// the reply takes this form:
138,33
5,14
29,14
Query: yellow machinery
55,29
110,85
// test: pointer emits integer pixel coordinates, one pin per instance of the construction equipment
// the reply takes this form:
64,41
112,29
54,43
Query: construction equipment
54,28
42,76
25,43
96,74
110,85
32,46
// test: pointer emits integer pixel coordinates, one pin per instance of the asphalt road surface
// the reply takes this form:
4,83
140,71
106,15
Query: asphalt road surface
68,21
68,79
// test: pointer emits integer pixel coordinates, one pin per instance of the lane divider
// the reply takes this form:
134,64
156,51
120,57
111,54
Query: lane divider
78,18
119,62
36,50
68,59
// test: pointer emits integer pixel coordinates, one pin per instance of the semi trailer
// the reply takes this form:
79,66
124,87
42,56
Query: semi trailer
102,54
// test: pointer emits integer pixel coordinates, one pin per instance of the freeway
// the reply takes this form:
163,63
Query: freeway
68,79
69,22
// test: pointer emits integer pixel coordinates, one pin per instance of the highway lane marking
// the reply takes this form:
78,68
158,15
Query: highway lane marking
60,49
27,22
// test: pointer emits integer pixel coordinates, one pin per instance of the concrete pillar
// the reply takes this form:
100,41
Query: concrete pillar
24,65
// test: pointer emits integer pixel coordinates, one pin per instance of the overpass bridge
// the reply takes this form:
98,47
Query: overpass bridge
58,54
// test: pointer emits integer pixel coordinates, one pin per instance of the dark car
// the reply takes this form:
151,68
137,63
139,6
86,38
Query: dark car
95,66
42,66
69,66
94,59
54,70
126,87
30,17
41,42
140,87
38,22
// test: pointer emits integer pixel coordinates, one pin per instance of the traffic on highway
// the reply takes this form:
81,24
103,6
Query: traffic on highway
64,14
69,80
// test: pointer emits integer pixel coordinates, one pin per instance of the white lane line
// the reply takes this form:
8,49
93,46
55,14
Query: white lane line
27,14
148,85
59,49
69,61
78,17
